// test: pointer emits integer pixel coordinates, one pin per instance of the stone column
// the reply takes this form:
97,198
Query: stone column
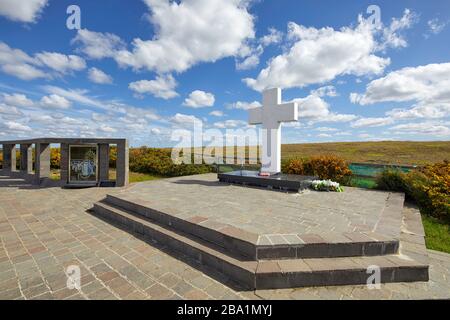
122,164
64,163
103,161
26,158
9,157
42,162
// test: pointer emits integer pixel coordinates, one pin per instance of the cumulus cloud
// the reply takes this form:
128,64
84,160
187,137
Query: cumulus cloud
392,36
61,62
186,33
162,87
371,122
249,54
184,119
325,91
17,100
17,126
424,128
199,99
17,63
22,11
230,124
242,105
316,109
98,45
216,113
98,76
320,55
428,87
23,66
55,101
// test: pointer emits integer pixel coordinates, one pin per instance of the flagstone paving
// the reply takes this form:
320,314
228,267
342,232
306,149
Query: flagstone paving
43,231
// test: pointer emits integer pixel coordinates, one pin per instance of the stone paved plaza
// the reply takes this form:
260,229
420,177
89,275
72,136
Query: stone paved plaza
42,231
262,211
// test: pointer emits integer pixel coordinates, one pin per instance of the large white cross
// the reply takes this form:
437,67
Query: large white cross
271,115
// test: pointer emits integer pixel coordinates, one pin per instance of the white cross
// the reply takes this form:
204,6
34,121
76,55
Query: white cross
271,115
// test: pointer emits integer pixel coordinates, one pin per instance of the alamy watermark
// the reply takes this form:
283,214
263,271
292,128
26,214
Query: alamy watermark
73,273
73,22
374,280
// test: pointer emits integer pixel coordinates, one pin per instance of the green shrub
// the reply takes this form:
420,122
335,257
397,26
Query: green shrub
391,179
326,167
429,187
158,162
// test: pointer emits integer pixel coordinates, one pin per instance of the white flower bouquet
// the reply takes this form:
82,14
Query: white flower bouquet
326,185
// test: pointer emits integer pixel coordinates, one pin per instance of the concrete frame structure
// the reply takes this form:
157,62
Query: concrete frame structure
42,158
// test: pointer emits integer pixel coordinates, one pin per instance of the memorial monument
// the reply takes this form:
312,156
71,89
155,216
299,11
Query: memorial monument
270,115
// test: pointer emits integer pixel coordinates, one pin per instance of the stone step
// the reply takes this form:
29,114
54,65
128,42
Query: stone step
239,270
266,247
270,274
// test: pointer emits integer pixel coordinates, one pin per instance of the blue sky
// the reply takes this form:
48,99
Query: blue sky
141,69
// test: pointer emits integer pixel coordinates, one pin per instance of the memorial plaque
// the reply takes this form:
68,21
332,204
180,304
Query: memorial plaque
83,164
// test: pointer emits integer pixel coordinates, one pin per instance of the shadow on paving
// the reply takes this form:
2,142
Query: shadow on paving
201,182
175,254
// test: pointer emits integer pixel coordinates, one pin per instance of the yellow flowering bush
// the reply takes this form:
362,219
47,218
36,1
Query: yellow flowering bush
326,167
428,186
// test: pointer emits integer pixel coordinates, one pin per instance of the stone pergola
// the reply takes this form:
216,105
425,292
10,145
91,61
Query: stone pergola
42,158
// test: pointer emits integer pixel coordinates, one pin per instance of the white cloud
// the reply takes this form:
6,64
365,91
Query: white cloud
17,100
242,105
326,129
216,113
249,53
324,135
392,36
273,37
23,66
98,76
21,10
106,128
162,87
320,55
199,99
55,101
19,64
371,122
428,87
155,131
16,126
190,32
61,62
436,26
184,119
9,110
230,124
326,91
97,45
425,128
76,95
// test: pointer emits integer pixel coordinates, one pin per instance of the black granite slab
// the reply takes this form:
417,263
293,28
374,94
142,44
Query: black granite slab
291,182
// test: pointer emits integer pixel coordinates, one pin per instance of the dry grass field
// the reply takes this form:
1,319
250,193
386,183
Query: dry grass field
383,152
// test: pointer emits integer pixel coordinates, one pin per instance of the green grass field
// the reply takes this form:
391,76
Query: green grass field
437,234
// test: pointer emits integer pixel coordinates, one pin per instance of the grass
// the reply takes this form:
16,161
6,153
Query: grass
381,152
139,177
437,234
134,176
363,182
